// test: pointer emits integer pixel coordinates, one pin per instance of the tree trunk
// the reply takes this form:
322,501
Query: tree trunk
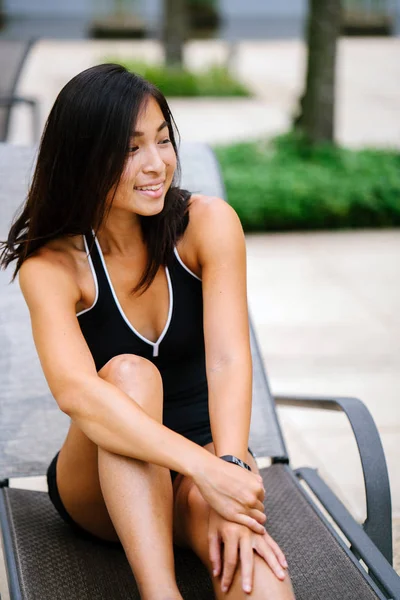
174,31
317,105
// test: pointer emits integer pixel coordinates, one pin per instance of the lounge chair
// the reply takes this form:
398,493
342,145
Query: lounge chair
331,556
13,55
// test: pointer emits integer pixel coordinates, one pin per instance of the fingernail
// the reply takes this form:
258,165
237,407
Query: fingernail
247,588
224,588
281,573
215,572
285,563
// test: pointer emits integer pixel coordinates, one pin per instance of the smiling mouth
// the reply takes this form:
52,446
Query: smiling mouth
149,188
151,191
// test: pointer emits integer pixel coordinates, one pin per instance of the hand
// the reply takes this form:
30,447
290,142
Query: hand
240,541
235,494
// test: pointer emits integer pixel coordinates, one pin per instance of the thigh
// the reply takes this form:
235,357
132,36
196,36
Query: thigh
78,484
77,474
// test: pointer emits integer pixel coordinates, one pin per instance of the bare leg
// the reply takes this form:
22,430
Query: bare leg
191,529
122,497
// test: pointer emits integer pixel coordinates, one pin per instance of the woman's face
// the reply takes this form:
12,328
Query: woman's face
149,167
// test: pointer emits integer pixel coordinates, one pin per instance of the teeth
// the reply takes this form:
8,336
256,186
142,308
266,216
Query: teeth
153,188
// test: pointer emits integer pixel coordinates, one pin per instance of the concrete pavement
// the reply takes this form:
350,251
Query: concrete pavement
325,306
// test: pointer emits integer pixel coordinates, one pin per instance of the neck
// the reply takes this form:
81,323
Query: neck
121,234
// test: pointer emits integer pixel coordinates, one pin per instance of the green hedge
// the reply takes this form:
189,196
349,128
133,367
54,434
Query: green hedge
215,81
285,185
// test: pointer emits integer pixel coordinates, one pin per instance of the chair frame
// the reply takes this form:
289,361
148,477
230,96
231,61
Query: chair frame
11,99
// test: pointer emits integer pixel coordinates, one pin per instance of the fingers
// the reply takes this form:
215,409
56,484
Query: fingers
278,552
247,563
214,548
230,562
250,523
262,547
257,515
257,505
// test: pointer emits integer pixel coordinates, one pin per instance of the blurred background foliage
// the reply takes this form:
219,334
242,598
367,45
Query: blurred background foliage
183,20
215,80
289,184
301,180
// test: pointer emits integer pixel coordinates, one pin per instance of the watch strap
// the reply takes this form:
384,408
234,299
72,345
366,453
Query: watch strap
235,461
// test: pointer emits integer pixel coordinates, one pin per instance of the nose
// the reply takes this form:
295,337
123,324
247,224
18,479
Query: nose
152,161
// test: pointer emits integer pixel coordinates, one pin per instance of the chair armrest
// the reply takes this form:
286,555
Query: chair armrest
32,103
10,100
378,524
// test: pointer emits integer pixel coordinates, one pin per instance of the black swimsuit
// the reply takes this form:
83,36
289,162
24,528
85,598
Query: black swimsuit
178,354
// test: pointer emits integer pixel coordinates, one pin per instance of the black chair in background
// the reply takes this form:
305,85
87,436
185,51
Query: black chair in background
13,54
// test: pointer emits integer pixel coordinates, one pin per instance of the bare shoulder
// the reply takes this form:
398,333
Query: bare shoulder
213,223
51,269
209,209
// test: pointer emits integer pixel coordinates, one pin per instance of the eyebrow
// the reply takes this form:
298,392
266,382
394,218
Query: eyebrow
139,133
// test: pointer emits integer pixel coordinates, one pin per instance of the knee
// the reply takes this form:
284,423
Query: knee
130,368
139,379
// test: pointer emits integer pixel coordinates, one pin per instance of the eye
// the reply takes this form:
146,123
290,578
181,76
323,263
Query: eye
166,141
133,149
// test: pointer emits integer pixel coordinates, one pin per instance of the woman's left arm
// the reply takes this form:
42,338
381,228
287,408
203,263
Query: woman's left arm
221,252
222,257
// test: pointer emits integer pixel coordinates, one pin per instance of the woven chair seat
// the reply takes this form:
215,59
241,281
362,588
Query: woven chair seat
54,564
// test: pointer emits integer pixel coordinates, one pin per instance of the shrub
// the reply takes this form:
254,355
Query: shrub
285,184
215,81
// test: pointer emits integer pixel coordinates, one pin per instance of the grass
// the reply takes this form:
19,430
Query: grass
215,81
284,184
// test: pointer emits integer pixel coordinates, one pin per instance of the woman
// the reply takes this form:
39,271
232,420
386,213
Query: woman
118,266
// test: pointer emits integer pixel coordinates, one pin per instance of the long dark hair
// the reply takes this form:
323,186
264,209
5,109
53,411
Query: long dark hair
81,157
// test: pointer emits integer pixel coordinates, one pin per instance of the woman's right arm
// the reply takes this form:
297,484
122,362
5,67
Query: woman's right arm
107,415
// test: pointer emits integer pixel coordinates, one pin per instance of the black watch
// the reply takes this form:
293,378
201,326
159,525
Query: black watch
236,461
